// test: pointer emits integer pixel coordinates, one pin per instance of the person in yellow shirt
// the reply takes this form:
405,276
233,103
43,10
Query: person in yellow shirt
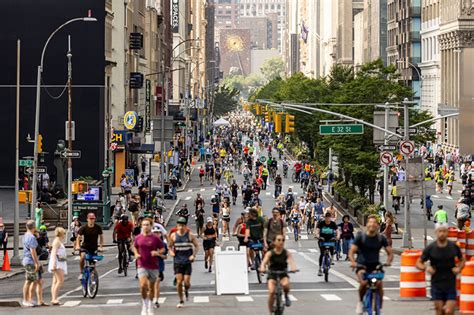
222,153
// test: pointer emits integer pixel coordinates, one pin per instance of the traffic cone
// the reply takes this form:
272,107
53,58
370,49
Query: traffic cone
6,263
193,162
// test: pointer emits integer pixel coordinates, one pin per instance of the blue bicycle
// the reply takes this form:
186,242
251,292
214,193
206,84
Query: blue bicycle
372,299
90,276
327,259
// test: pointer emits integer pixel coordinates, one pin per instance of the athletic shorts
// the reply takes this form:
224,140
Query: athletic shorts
272,276
208,244
184,269
150,274
443,294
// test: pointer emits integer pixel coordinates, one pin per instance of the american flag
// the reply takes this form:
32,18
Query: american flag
304,32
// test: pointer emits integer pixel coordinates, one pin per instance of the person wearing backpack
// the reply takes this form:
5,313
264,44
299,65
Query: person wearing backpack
462,213
274,226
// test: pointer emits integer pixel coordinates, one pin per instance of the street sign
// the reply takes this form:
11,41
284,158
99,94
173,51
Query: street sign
386,158
39,170
387,147
411,131
74,154
263,159
25,163
341,129
407,147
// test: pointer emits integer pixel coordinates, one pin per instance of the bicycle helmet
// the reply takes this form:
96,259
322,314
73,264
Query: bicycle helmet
182,220
124,217
43,227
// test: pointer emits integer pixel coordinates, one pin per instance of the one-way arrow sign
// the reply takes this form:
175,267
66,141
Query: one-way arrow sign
387,147
39,170
401,130
76,154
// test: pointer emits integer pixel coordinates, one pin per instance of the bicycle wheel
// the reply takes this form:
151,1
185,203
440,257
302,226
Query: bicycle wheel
368,302
93,284
376,303
257,266
327,265
278,304
125,261
85,278
295,231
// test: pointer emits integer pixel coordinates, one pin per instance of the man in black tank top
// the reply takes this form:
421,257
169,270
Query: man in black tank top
276,261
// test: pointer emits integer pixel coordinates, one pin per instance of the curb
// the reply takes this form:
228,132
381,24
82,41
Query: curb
10,304
172,211
9,276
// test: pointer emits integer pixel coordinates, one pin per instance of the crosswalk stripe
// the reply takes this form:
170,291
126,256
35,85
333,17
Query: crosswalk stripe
244,299
202,189
292,298
187,198
449,197
115,301
190,190
304,237
312,250
331,297
161,300
71,303
201,299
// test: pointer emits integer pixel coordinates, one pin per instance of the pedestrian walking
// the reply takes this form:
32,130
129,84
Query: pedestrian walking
347,235
38,215
387,227
31,264
3,239
57,264
442,255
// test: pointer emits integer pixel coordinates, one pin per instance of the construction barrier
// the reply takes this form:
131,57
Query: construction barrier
462,241
453,234
469,245
412,280
466,301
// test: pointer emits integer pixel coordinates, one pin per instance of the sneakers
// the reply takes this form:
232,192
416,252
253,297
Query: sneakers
27,304
287,301
79,277
180,304
359,308
210,268
150,310
320,272
144,309
120,270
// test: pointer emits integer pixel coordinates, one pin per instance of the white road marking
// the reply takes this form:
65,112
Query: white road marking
268,193
201,299
331,297
288,229
213,282
108,305
435,196
187,198
429,238
292,298
291,250
161,300
312,250
77,258
287,237
214,188
449,197
115,301
290,186
244,299
80,287
71,303
304,237
190,190
202,189
386,298
349,280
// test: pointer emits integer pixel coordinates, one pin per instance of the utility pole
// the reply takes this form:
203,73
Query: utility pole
407,242
69,137
385,168
16,260
162,142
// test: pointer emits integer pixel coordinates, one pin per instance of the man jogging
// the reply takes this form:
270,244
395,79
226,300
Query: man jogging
147,247
442,255
183,247
440,216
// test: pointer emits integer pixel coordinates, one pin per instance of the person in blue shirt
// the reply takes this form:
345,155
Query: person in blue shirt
161,265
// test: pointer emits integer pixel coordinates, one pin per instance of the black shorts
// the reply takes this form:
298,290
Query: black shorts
208,244
184,269
369,268
443,294
272,276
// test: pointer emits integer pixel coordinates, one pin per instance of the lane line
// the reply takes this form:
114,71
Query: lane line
71,303
349,280
312,250
202,189
187,198
331,297
161,300
244,299
201,299
190,190
114,301
292,298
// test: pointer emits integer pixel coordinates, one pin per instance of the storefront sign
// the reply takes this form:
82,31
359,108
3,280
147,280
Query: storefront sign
147,105
130,120
175,16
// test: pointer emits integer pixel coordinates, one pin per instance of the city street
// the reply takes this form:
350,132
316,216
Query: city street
120,295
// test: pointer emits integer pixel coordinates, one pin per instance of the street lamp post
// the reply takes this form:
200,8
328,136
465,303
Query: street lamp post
38,106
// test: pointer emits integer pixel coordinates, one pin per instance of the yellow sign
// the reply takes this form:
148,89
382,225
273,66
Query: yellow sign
130,120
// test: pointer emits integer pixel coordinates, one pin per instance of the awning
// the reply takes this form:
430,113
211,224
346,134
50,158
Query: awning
221,122
143,148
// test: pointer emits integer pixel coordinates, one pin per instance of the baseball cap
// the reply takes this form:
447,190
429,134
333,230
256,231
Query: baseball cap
441,226
182,220
209,219
91,215
43,227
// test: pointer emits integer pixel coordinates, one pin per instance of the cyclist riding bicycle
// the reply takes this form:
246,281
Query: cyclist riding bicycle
280,149
276,260
253,233
326,231
367,245
295,216
285,164
89,234
318,210
122,236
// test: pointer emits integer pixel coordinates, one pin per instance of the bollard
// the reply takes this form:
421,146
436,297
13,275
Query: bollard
466,303
469,245
412,280
461,242
453,234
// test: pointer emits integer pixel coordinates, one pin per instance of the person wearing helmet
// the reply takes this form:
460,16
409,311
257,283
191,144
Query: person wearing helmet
122,236
183,247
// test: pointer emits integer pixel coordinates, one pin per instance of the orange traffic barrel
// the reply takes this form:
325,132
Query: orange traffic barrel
412,280
453,234
469,244
466,300
462,241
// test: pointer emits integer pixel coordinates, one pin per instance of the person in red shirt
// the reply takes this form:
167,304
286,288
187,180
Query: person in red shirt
122,235
246,150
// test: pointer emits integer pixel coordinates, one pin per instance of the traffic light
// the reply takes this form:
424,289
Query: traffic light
258,109
289,123
136,80
277,120
268,116
40,143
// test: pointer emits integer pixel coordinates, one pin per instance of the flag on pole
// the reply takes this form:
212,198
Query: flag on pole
304,32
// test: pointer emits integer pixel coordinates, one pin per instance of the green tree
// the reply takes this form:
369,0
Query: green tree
273,68
225,100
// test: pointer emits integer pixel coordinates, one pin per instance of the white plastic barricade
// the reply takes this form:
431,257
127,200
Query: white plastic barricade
231,270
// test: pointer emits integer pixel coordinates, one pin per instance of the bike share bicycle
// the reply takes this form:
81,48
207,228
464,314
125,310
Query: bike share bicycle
90,276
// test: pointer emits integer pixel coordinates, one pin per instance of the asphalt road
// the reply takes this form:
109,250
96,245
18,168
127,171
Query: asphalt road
120,295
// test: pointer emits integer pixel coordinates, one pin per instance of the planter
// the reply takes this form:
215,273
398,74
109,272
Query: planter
344,202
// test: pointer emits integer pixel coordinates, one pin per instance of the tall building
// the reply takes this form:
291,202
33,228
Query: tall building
235,51
226,15
266,8
403,40
430,58
456,44
260,31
